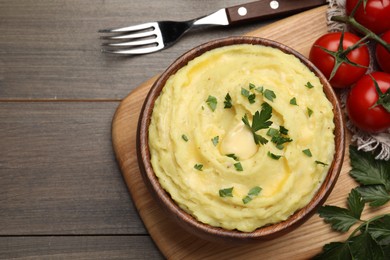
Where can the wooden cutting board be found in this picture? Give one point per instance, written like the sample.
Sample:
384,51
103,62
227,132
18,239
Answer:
298,32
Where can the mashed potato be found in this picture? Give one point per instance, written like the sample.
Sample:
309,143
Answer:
242,136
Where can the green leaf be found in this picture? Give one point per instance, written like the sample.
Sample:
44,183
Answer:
255,191
245,92
307,152
212,103
259,139
261,120
283,130
340,219
293,101
363,246
272,131
321,163
215,140
238,167
260,89
309,85
251,98
380,230
185,138
252,86
198,166
232,155
269,94
309,112
334,251
375,194
273,156
355,204
367,170
228,101
228,192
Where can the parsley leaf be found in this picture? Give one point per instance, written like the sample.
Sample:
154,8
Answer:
379,229
260,121
252,86
232,155
367,170
198,166
269,94
212,103
309,85
342,219
375,194
334,250
321,163
245,92
363,246
238,167
255,191
309,112
307,152
215,140
228,192
273,156
228,101
293,101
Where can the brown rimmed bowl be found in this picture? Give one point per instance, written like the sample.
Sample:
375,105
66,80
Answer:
187,221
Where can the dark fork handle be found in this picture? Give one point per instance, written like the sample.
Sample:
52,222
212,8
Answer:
266,9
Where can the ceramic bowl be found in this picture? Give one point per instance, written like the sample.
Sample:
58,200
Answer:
187,221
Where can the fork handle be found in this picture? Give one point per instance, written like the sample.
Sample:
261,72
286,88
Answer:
266,9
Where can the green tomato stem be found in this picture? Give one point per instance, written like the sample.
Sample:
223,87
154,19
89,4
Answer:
356,25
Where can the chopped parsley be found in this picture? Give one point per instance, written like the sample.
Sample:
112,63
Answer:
212,103
273,156
293,101
260,121
252,86
269,94
198,166
260,89
255,191
228,101
246,93
233,156
307,152
309,85
279,137
309,112
215,140
238,167
228,192
184,137
321,163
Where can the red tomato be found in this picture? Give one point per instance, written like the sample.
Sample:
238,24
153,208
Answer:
346,74
362,97
382,55
375,16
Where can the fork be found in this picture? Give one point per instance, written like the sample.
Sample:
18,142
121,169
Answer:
154,36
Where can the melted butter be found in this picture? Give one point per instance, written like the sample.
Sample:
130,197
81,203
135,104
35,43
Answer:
239,141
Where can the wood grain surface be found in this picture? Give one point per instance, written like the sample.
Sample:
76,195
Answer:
298,32
62,195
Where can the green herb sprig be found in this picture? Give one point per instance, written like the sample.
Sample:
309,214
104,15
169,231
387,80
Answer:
261,120
371,239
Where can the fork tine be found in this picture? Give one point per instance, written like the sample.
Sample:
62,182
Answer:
131,43
130,36
135,51
138,27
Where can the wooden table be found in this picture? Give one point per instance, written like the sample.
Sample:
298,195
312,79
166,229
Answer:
61,192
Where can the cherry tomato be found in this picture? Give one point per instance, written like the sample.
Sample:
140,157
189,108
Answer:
375,16
382,55
346,74
361,100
